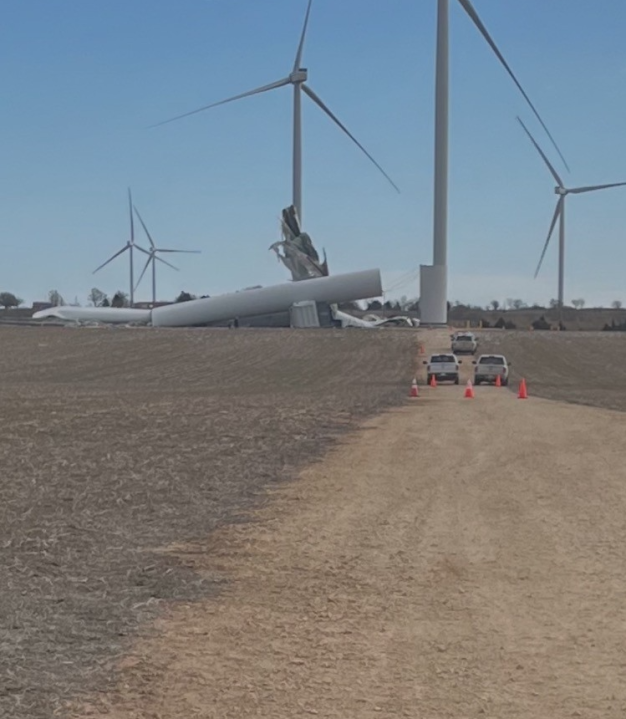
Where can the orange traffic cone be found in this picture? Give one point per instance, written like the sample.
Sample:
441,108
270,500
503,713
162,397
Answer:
498,381
523,392
433,381
414,389
469,390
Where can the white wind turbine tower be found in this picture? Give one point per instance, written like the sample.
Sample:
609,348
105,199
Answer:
297,78
129,246
434,278
559,214
153,257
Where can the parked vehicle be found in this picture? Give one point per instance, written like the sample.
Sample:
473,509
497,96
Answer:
444,367
488,367
464,342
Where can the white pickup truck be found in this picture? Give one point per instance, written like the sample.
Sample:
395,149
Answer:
464,342
444,367
488,367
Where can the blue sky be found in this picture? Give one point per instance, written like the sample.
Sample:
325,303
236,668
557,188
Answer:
83,80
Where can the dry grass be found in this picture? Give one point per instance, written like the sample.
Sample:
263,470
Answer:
118,442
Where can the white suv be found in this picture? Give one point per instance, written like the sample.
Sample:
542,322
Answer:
444,367
488,367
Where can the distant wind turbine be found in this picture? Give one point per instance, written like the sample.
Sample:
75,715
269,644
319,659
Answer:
433,278
153,257
297,78
559,212
129,246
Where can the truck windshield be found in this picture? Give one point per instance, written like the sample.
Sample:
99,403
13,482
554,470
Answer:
442,358
491,360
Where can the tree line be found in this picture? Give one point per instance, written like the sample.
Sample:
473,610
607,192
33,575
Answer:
412,305
98,298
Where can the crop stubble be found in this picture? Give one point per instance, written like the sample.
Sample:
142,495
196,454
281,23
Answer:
116,443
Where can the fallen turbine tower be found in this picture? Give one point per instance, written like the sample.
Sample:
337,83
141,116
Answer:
247,303
266,300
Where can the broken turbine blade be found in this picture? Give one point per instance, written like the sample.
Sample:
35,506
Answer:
471,11
336,120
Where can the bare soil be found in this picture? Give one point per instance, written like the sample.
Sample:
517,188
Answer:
588,319
116,443
581,367
454,558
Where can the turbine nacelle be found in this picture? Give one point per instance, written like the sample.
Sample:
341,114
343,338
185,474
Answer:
299,76
560,191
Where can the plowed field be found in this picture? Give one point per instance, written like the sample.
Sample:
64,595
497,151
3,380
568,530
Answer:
115,443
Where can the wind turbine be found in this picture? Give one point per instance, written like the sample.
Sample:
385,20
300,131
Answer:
153,257
559,213
129,246
433,278
297,78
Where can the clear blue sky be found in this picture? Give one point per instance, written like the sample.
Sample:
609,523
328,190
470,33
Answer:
83,80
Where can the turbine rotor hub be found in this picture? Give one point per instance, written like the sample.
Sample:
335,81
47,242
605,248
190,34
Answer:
560,191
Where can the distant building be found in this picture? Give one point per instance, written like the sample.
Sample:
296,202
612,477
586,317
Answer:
38,306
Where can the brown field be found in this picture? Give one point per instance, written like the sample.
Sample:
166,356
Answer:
590,319
581,367
118,442
452,559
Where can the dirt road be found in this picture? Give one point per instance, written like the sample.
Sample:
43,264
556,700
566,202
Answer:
457,558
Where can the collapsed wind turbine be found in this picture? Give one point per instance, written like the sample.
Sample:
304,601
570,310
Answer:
559,212
433,278
153,257
129,246
297,78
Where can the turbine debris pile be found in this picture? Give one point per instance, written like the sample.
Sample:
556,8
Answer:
296,250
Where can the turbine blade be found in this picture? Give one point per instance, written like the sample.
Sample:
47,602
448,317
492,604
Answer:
117,254
145,229
557,214
470,10
258,91
336,120
298,62
592,188
186,252
132,219
141,249
165,262
143,272
549,165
